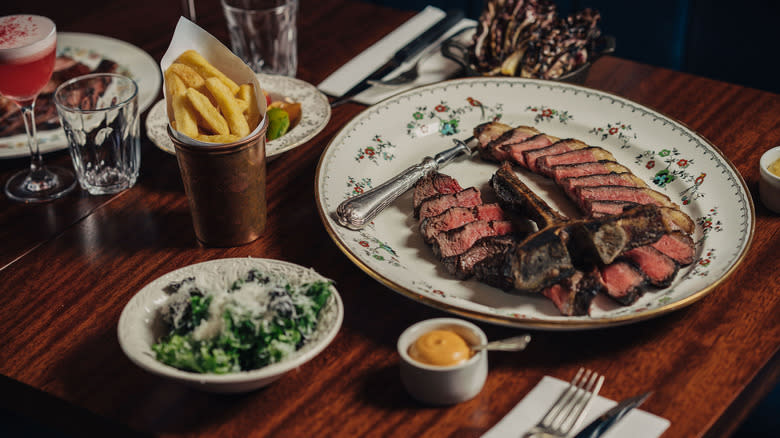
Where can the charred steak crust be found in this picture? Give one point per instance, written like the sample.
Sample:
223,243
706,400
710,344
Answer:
434,183
462,266
437,204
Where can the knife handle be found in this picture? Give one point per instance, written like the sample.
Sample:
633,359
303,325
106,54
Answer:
429,36
358,211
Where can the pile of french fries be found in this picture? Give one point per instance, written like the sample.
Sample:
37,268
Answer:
207,105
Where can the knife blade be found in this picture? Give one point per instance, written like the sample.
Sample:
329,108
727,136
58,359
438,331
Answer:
608,419
358,211
409,50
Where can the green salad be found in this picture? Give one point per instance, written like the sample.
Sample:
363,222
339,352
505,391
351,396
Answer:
257,320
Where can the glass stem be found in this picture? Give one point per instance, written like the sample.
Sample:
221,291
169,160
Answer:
28,114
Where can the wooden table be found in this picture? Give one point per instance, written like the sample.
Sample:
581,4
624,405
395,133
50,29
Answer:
69,267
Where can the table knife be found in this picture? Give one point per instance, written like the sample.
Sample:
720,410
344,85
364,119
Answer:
406,52
608,419
358,211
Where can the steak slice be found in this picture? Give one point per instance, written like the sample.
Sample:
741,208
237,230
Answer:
433,184
498,148
659,269
453,242
487,132
678,246
563,171
437,204
676,220
599,209
462,265
573,295
539,141
639,195
515,196
623,282
569,185
587,155
559,147
458,216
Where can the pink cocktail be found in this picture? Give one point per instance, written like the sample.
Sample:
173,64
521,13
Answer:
28,45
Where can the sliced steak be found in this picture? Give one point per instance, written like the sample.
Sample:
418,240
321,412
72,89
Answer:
561,172
515,196
599,209
462,265
678,246
659,269
623,282
498,149
628,179
676,220
453,242
639,195
515,151
589,154
573,295
458,216
557,148
433,184
487,132
437,204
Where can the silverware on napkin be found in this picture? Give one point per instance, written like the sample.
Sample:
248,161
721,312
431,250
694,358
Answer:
409,50
608,419
358,211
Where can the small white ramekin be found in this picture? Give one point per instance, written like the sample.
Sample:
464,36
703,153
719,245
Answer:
439,385
769,184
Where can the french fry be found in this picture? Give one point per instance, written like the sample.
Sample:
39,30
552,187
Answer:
205,69
209,115
229,107
247,92
219,138
188,75
183,114
242,104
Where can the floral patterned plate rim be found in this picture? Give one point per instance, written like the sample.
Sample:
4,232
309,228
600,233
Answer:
315,111
91,49
398,132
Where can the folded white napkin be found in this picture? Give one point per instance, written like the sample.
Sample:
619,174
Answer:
433,69
636,424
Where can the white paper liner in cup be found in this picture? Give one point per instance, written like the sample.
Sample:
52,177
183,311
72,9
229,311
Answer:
190,36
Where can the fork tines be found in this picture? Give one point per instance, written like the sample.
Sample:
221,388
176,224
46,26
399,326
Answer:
568,410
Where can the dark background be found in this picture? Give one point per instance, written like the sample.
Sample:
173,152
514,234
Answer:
736,41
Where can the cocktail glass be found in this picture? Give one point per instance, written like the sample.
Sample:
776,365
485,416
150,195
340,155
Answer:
28,46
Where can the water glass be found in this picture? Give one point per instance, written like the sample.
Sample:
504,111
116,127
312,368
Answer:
263,33
99,113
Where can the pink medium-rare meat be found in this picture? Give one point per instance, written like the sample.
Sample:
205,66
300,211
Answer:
639,195
500,148
659,269
458,216
606,179
623,282
515,151
486,133
573,295
462,265
433,184
559,147
587,155
453,242
437,204
561,172
598,209
678,246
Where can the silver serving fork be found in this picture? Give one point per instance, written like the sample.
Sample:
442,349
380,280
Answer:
410,74
570,408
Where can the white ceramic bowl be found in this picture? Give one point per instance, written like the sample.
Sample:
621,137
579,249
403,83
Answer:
769,184
439,385
140,326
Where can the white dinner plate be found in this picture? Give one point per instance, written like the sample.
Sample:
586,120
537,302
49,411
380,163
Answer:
398,132
140,325
91,49
315,114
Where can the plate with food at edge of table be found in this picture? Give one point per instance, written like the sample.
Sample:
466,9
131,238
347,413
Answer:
698,190
282,92
77,54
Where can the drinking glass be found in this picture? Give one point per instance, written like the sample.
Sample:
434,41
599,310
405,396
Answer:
28,46
99,113
263,33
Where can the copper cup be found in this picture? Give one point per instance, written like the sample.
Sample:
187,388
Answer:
225,187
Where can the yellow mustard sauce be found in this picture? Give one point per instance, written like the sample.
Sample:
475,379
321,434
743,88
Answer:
440,348
774,168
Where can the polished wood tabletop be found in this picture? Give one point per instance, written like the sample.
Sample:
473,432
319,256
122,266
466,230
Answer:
69,267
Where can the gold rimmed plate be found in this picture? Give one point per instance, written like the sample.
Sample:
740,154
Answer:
396,133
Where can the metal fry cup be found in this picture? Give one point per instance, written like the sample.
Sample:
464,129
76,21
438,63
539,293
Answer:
225,187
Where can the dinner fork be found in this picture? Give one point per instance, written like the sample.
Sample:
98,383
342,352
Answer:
570,408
